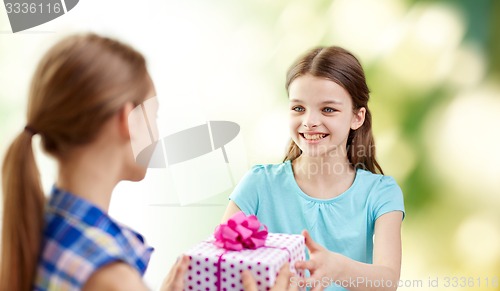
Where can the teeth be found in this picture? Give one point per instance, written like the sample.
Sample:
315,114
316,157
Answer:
314,136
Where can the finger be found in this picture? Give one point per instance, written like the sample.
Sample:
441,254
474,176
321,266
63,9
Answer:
181,268
315,281
295,286
173,271
248,281
309,265
283,279
175,277
311,245
302,282
318,287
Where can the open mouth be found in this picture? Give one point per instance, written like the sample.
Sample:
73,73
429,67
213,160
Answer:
314,137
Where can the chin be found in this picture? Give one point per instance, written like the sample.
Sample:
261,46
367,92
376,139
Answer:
317,152
313,154
137,174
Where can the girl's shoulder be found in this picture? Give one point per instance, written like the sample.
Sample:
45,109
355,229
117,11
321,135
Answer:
364,177
86,236
381,193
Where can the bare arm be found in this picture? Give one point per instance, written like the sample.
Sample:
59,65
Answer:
115,276
231,209
120,276
386,265
383,274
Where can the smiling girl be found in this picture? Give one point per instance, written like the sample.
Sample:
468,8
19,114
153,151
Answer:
330,184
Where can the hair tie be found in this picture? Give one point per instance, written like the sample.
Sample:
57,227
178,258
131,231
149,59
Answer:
30,130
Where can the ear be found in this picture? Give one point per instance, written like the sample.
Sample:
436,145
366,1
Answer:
358,118
123,114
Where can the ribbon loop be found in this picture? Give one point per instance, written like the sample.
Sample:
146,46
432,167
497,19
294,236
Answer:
241,232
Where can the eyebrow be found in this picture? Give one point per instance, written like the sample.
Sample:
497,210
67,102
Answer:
322,103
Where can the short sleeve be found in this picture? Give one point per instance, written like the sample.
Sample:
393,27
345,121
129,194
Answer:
389,197
246,193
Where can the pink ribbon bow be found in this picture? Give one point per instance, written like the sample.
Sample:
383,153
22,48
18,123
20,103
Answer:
240,232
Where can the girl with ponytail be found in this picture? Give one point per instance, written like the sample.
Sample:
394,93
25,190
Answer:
330,186
80,98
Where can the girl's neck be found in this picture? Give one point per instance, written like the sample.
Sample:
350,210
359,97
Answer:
89,177
322,168
321,177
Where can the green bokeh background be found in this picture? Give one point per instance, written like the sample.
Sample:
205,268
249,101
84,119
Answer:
433,68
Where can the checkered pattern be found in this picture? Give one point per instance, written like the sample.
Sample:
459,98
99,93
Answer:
79,239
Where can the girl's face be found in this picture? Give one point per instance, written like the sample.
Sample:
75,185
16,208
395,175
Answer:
321,116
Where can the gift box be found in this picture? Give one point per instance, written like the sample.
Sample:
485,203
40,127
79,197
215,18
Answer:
216,263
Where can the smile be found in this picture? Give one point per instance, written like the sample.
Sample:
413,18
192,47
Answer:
313,137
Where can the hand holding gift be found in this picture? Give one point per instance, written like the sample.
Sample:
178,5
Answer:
174,280
282,281
242,243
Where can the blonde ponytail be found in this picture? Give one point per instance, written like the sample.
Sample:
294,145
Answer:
78,85
22,225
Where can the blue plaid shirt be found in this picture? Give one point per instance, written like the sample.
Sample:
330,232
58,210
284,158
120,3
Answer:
78,239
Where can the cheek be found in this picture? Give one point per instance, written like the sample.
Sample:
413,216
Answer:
294,123
339,127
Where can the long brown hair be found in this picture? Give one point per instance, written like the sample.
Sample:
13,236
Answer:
342,67
78,85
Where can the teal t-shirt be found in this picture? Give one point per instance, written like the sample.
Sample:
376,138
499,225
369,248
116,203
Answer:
343,224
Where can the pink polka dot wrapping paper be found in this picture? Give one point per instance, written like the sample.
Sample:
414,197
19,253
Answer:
211,264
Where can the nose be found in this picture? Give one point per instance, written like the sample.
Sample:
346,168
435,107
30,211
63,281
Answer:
311,120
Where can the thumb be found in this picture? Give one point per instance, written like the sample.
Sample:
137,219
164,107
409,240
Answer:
248,281
311,245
